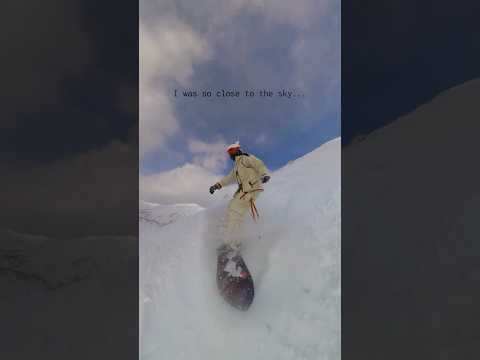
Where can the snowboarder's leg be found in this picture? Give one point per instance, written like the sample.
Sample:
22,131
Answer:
235,214
237,208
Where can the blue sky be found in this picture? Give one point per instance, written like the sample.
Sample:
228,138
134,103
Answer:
243,44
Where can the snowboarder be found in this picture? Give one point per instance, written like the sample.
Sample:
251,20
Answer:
250,173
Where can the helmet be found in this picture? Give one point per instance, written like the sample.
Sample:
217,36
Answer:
233,148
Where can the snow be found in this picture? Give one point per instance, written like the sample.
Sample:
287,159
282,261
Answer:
231,267
293,253
165,214
413,226
48,284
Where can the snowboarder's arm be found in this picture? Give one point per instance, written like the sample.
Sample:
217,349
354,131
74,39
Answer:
230,178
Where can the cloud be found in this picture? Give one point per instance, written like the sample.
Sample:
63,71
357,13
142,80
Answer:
243,44
41,55
319,62
299,13
168,50
210,156
92,193
190,182
186,184
234,35
262,139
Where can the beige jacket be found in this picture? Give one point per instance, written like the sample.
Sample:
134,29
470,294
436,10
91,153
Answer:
247,171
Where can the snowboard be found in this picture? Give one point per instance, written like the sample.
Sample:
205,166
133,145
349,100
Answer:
234,280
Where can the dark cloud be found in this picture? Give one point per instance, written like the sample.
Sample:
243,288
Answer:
64,85
68,136
398,55
44,44
92,193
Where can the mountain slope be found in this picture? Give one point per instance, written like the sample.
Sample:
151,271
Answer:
411,215
293,253
64,293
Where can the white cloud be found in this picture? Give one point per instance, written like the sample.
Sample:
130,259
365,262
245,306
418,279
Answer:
168,51
190,182
209,156
157,119
262,139
186,184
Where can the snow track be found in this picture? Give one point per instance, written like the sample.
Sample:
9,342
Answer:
293,253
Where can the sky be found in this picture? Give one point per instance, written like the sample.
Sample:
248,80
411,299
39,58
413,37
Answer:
69,124
398,55
69,132
236,45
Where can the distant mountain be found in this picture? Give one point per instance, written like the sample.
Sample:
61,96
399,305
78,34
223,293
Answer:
162,215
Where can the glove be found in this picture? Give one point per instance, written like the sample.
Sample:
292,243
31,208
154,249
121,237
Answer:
215,187
265,178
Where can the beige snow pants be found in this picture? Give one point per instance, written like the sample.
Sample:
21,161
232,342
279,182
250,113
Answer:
237,208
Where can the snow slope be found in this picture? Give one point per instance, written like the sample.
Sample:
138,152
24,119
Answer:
293,253
412,224
48,284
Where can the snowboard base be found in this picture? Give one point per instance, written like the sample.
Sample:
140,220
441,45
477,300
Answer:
234,280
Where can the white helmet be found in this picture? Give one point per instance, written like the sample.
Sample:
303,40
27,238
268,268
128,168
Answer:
233,147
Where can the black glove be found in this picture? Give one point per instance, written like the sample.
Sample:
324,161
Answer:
265,178
215,187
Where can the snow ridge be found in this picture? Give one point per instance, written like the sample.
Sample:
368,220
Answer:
293,253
